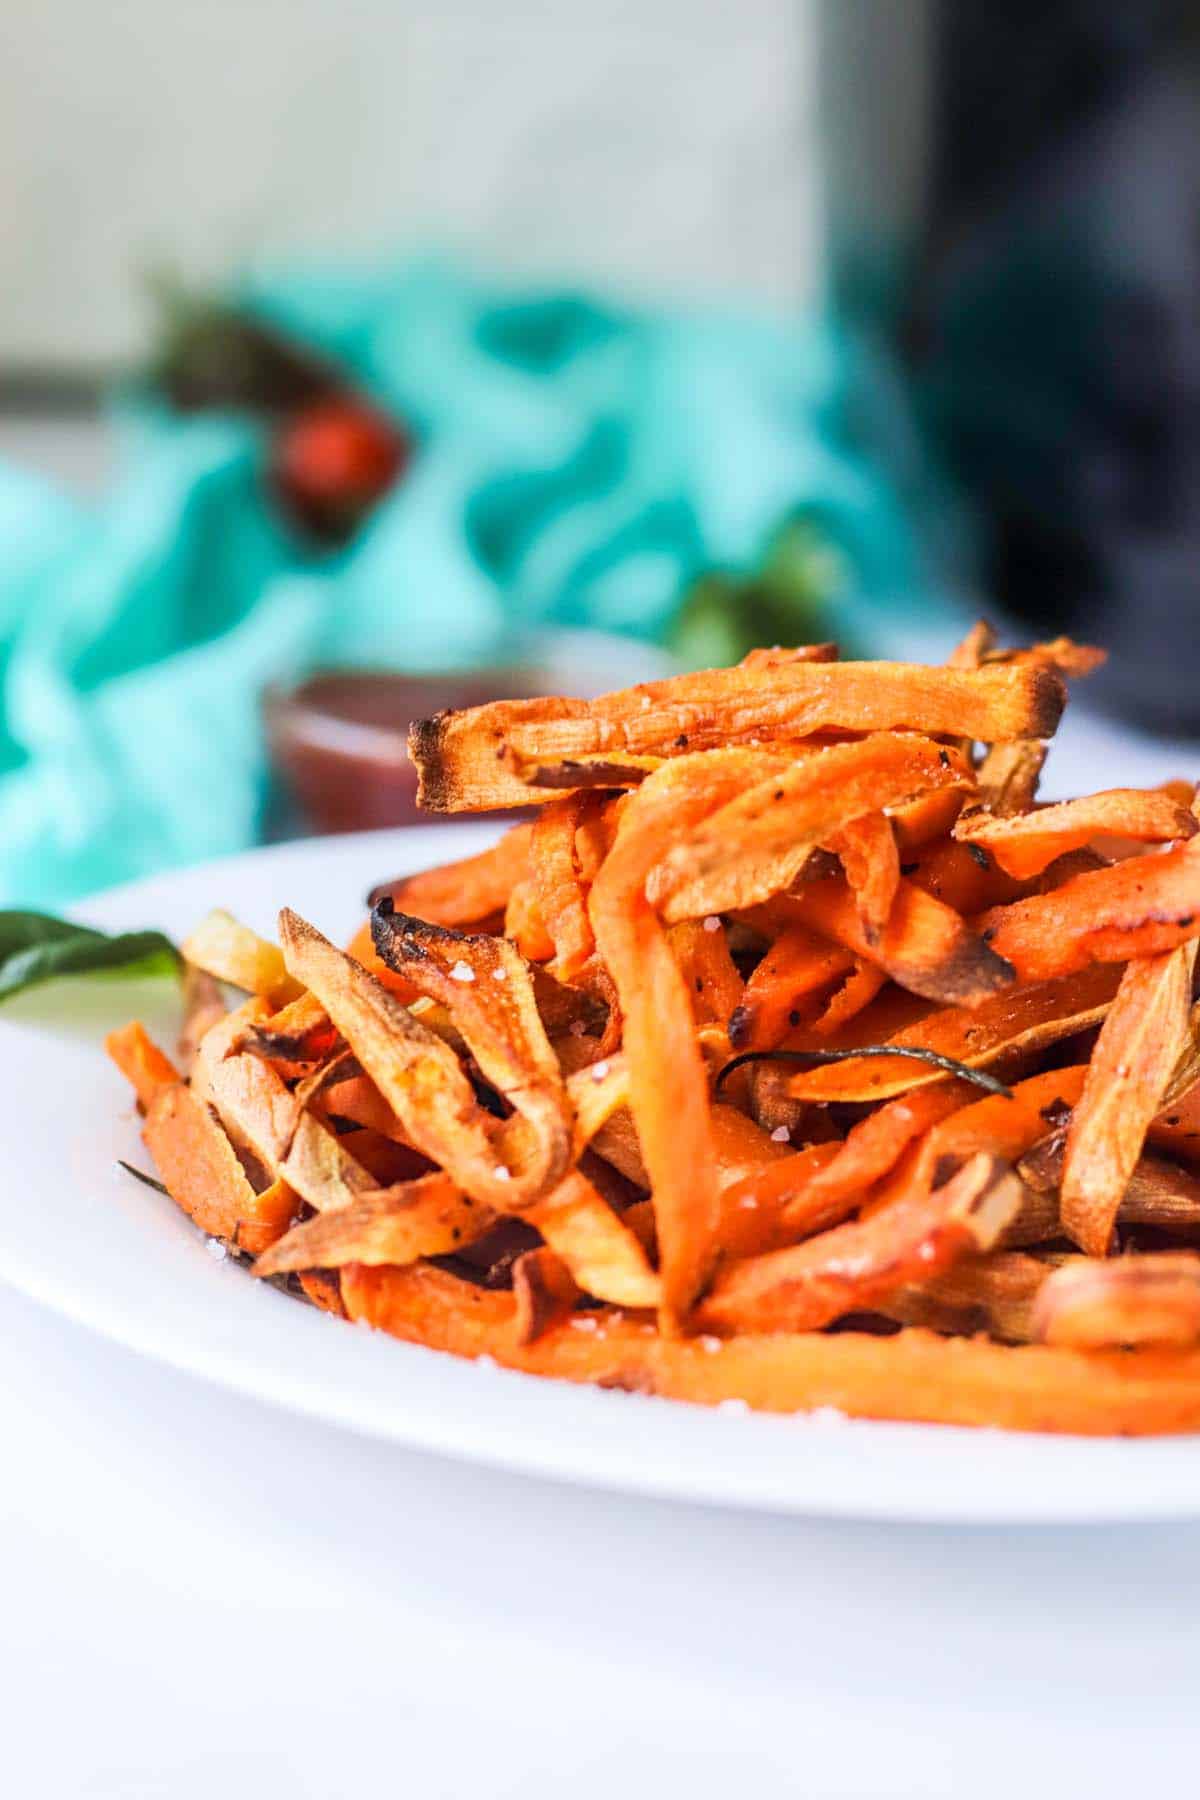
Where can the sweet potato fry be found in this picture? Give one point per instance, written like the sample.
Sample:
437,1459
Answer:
957,1381
362,948
927,818
1018,1020
708,971
1092,1305
201,1171
544,1293
961,876
418,1075
1025,845
558,884
489,991
927,948
995,1293
1006,1126
465,758
758,843
815,1191
604,1257
1160,1195
867,847
324,1289
1008,777
524,925
1136,908
1139,1045
141,1062
668,1082
972,651
426,1217
259,1113
232,952
849,999
203,1007
798,966
852,1266
462,893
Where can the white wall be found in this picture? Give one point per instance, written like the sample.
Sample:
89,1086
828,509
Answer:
671,143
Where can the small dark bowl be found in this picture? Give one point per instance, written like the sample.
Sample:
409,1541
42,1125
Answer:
339,741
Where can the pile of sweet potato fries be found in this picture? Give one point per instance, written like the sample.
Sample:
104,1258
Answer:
791,1053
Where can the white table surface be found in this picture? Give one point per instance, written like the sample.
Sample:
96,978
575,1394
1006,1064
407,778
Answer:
200,1596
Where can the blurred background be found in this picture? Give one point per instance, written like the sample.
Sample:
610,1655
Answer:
358,360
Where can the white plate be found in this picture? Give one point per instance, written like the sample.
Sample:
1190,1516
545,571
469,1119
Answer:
84,1238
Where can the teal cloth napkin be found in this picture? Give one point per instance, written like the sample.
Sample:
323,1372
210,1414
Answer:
579,463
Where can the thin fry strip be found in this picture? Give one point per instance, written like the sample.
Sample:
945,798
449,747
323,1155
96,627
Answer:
465,892
1132,1300
668,1083
1008,777
852,1266
418,1075
1026,845
231,952
996,1294
708,971
1160,1194
1140,1042
816,1192
927,947
203,1007
798,966
464,758
867,848
258,1112
955,1381
558,884
1020,1019
144,1066
201,1172
850,999
426,1217
489,991
544,1293
757,844
604,1257
1136,908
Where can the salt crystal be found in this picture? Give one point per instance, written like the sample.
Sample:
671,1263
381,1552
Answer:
599,1070
577,1028
733,1406
500,974
485,1361
462,972
581,1322
216,1249
710,1344
748,1200
501,1173
781,1135
646,701
712,923
926,1253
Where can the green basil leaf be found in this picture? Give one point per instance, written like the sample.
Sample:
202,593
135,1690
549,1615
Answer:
35,947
